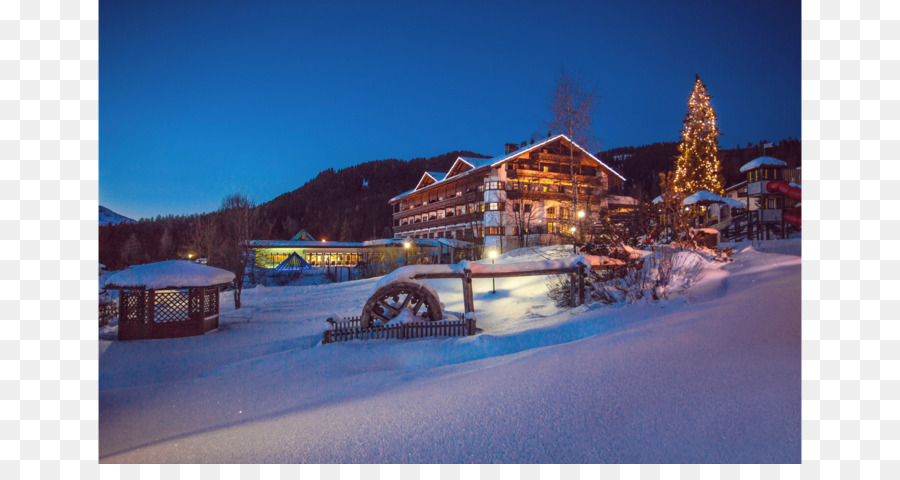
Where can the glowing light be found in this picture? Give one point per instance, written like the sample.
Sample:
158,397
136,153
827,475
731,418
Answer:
190,255
697,166
492,254
406,244
581,214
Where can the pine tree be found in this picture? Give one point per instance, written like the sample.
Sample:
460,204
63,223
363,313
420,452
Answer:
697,164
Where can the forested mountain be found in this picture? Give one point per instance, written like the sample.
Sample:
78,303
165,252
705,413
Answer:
351,204
642,165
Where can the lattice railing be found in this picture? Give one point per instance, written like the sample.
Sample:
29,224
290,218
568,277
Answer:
210,301
132,306
171,306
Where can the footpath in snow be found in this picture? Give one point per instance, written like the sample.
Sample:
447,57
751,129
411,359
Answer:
713,377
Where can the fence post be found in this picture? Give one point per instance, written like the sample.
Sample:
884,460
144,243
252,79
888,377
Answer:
468,296
572,282
581,276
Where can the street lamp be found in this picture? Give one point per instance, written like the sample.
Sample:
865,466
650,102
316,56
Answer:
493,255
574,243
406,246
580,224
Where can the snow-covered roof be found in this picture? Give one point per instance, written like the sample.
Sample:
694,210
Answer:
169,274
471,160
432,242
437,176
458,175
303,244
658,199
498,160
736,186
734,203
703,196
763,162
623,200
493,162
402,195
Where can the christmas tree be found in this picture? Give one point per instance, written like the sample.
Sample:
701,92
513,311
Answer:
697,165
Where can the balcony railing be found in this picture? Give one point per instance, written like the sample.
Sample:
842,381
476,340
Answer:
466,218
470,197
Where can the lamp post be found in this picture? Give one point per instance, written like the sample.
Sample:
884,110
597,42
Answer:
581,222
406,246
493,255
574,244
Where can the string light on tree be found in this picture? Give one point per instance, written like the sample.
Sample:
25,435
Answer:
697,166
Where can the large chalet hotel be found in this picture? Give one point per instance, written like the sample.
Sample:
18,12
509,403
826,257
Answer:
523,197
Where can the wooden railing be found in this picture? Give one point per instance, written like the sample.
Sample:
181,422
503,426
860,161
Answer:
468,197
468,218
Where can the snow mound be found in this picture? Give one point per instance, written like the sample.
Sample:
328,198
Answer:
169,274
572,261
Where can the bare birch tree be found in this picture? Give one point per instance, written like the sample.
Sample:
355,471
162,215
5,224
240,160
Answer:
239,221
572,105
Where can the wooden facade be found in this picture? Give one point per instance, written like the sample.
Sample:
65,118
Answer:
521,194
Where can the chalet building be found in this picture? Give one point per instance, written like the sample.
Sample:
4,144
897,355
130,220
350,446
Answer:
304,251
523,197
738,192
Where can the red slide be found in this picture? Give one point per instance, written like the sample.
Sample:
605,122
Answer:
780,186
791,216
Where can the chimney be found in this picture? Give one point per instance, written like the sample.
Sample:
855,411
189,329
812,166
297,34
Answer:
532,141
511,147
522,145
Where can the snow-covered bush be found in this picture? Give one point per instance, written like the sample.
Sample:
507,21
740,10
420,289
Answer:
662,272
651,276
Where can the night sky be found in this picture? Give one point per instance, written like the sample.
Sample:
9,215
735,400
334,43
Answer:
202,99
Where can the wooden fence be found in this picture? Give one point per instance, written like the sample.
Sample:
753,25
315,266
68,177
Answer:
350,329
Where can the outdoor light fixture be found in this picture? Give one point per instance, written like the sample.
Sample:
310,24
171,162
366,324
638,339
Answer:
573,229
581,214
190,255
405,244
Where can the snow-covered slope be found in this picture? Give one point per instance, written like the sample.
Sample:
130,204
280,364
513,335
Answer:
108,217
713,377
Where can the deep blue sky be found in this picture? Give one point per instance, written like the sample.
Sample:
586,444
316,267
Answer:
201,99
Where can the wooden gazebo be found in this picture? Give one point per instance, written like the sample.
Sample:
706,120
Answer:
168,299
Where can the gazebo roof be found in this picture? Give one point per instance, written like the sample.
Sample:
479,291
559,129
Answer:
703,197
169,274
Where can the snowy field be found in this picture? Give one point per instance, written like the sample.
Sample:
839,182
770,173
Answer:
712,376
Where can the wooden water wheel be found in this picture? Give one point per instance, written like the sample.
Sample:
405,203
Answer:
389,301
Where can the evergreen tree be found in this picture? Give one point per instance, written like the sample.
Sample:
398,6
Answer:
697,164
